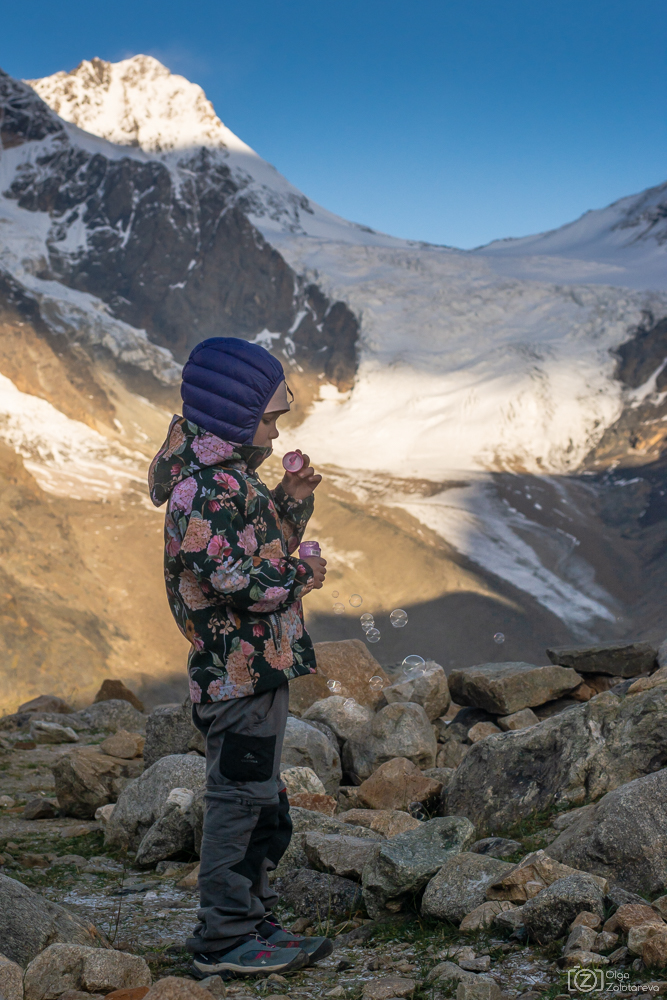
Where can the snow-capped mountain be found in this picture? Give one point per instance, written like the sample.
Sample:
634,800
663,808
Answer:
478,399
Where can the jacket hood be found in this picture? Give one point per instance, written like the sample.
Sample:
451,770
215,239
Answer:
227,383
190,448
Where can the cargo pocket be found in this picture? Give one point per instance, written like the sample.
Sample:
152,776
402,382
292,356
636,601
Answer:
247,758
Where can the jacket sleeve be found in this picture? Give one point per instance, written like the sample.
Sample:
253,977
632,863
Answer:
238,559
298,512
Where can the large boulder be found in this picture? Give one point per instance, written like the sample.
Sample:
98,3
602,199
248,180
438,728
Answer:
580,754
29,922
341,855
619,659
406,863
178,827
45,703
86,779
622,837
306,821
388,822
170,730
342,715
548,915
427,688
306,746
112,715
300,781
63,967
318,895
399,730
506,688
461,885
396,784
11,979
531,875
348,661
143,801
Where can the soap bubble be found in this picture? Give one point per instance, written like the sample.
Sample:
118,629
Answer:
349,703
373,635
356,600
414,664
367,626
367,617
499,638
334,593
398,618
335,686
339,609
376,683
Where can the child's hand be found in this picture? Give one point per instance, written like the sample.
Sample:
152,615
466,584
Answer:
302,483
318,566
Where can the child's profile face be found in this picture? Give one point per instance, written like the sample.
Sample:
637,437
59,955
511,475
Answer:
267,432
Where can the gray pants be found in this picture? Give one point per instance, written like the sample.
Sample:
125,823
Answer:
247,826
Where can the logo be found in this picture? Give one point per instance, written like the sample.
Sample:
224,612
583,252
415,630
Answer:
251,758
585,980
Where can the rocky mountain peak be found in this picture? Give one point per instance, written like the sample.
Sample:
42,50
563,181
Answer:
137,102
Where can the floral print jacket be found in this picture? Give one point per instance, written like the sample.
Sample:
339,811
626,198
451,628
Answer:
233,588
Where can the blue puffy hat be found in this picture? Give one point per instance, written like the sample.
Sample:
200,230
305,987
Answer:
226,386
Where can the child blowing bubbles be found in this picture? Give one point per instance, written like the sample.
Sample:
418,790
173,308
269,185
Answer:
235,591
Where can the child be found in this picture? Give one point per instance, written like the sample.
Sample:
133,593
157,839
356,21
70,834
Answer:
235,593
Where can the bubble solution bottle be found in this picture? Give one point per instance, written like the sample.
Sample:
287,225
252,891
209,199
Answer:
308,549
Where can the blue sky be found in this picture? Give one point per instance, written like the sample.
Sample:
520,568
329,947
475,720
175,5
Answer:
452,122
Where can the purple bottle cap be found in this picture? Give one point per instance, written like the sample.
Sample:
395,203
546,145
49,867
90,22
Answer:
293,461
307,549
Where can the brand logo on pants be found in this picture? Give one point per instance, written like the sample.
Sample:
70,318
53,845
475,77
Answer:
250,757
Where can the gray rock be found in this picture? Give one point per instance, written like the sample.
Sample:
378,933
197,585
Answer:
305,821
86,779
461,885
449,972
301,779
29,922
40,808
407,862
441,774
484,988
617,896
450,754
340,855
506,688
329,733
11,979
618,659
342,718
623,837
306,746
581,754
428,689
547,916
317,895
399,730
62,967
581,938
142,802
52,732
169,730
509,920
172,832
113,715
496,847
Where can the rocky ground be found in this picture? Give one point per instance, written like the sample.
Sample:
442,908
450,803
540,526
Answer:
494,846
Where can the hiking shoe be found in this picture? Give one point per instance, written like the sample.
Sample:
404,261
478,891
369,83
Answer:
253,955
316,948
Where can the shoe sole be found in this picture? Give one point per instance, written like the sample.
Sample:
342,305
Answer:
323,951
228,969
